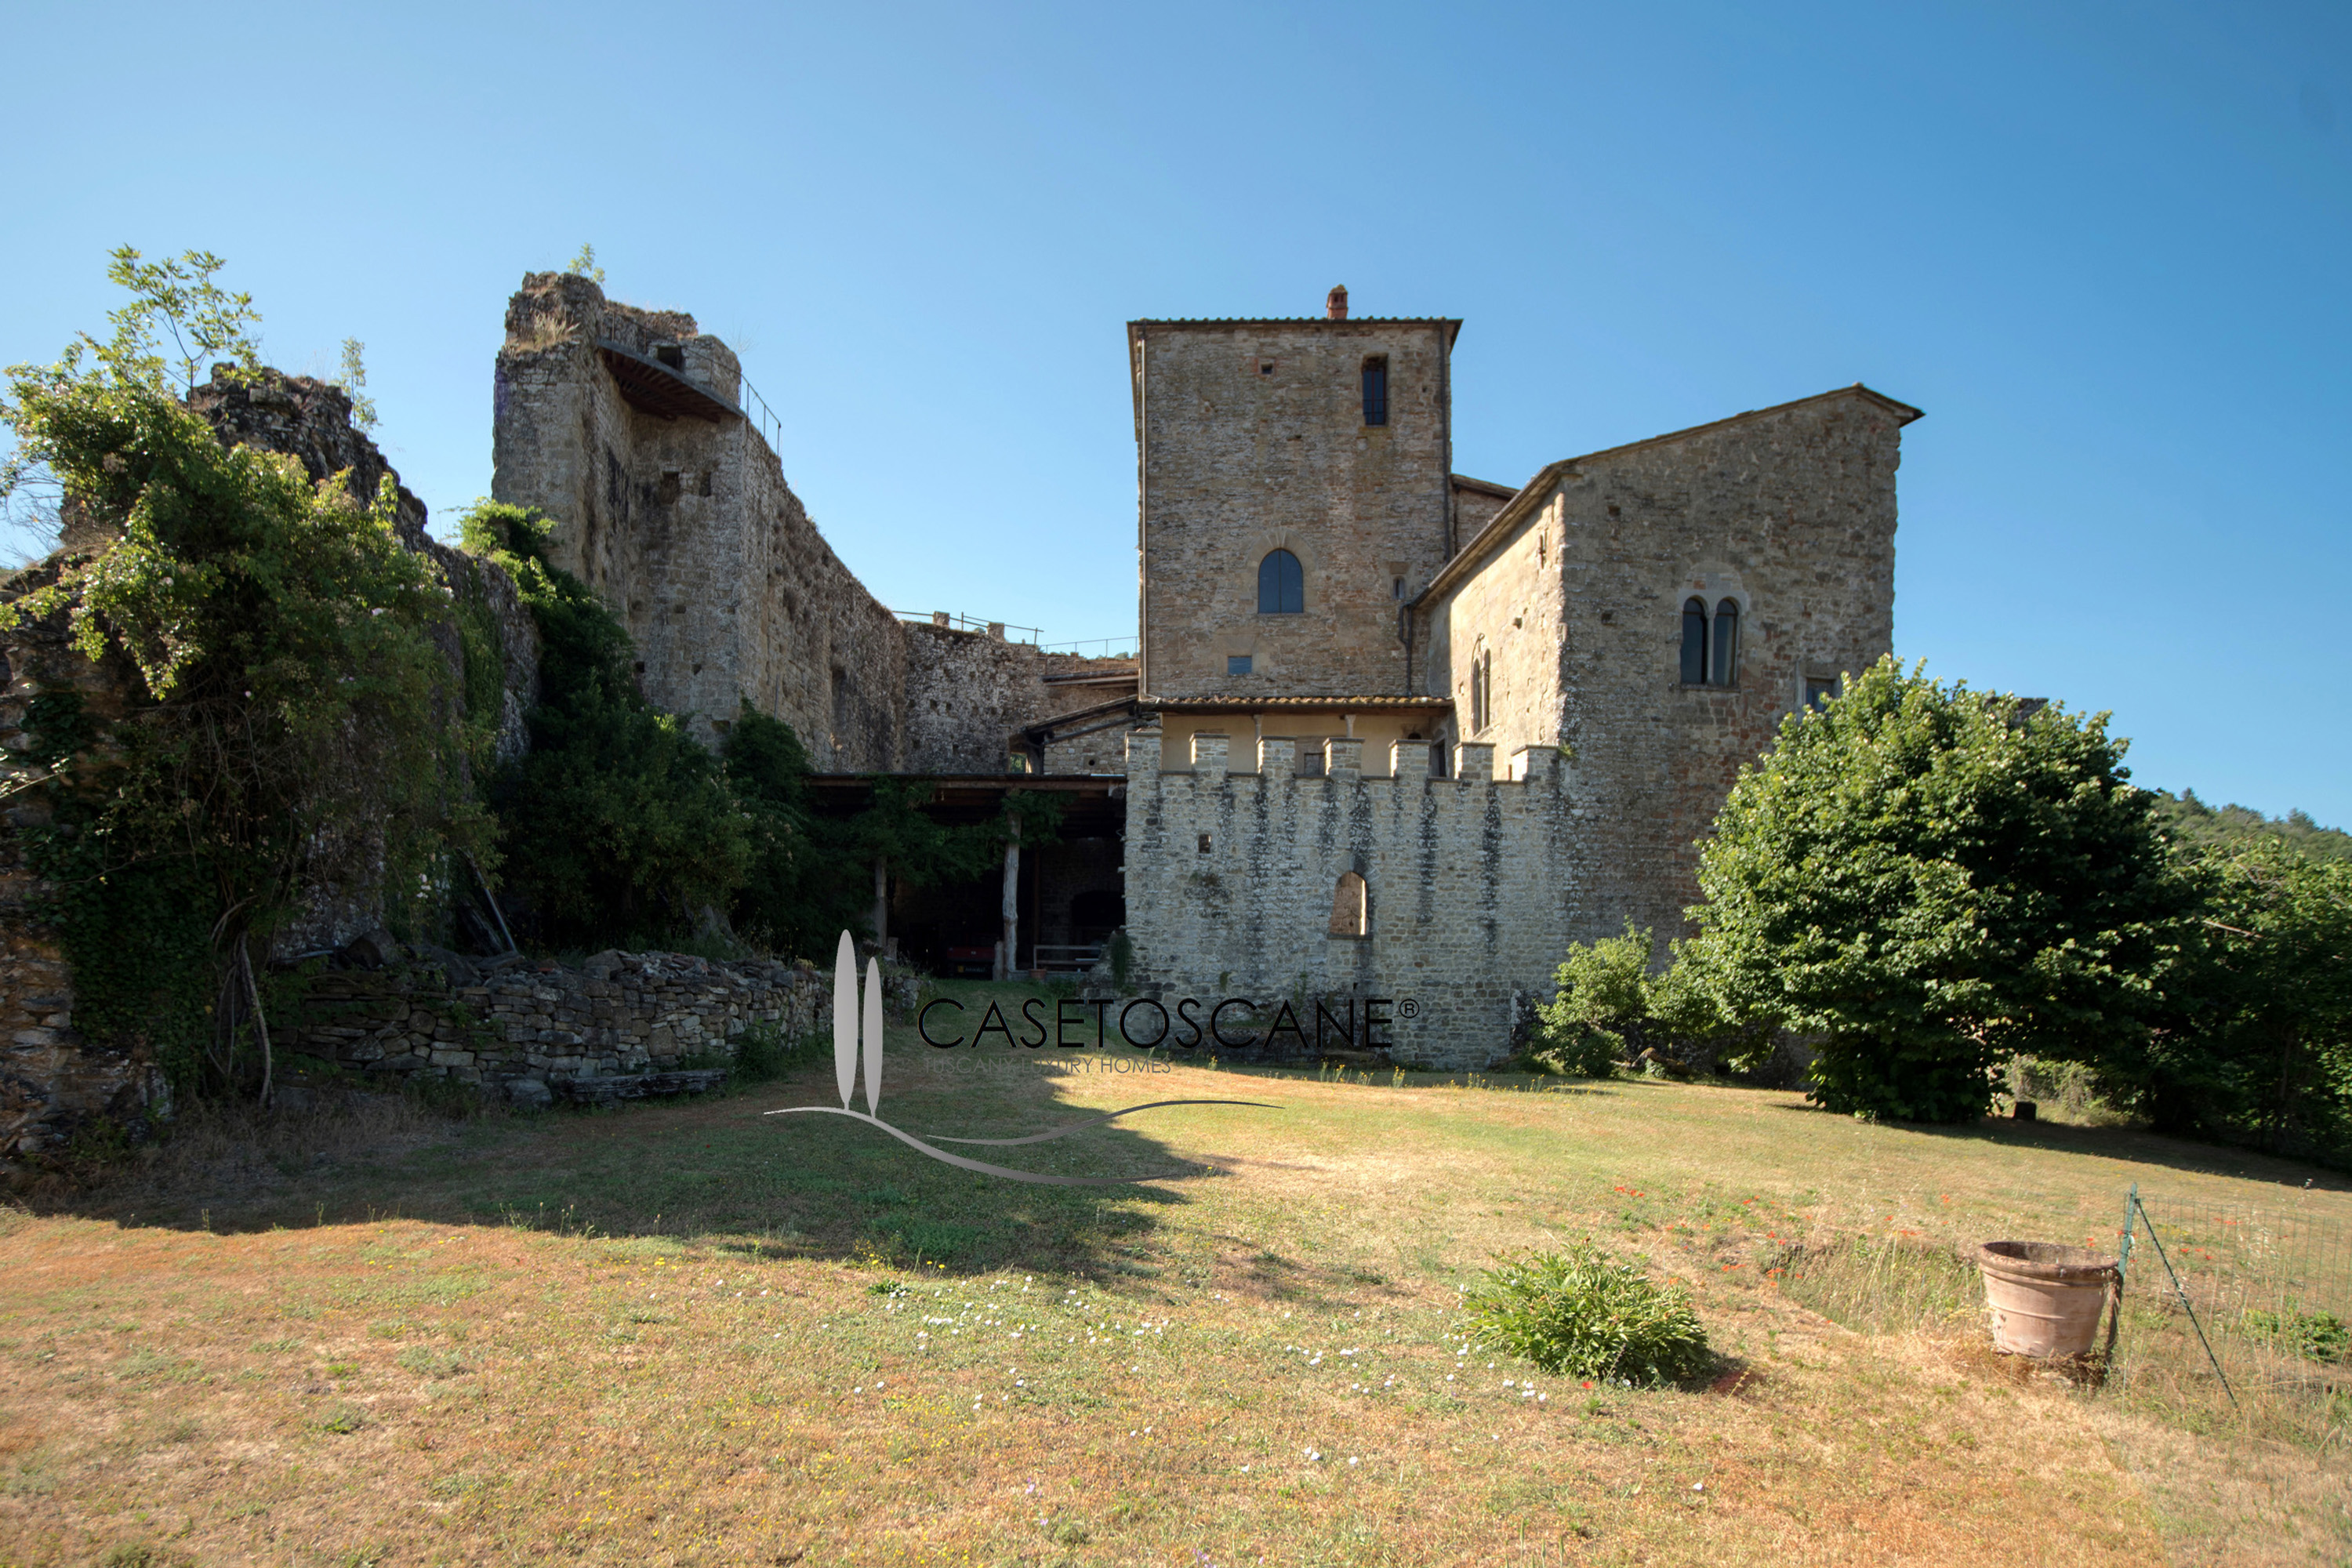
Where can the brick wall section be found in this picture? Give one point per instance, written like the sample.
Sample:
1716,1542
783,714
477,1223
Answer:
518,1031
1469,879
689,530
1790,511
1237,460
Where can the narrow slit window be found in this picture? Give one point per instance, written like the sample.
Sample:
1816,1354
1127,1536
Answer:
1350,911
1726,642
1281,584
1694,642
1375,390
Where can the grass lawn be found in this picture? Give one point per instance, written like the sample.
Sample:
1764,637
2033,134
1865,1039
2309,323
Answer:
687,1333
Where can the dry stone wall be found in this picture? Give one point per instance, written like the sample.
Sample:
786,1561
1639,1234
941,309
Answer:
525,1032
1232,875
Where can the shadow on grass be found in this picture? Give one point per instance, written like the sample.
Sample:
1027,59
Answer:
719,1169
2131,1145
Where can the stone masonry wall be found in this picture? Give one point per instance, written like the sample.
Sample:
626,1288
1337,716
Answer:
968,691
1252,439
1231,876
520,1030
1790,511
689,530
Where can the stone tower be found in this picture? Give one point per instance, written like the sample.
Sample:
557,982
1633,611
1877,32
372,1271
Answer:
1328,439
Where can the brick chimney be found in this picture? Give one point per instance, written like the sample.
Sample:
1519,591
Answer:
1335,304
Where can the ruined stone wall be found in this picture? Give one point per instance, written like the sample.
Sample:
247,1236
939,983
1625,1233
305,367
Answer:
311,421
53,1080
1252,436
687,528
1231,876
1790,511
518,1031
969,692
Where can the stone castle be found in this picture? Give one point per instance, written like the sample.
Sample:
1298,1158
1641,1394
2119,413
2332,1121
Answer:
1392,735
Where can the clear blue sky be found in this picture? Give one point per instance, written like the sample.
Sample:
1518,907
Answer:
2105,247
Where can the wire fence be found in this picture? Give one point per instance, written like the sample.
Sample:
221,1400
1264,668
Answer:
2232,1309
2232,1316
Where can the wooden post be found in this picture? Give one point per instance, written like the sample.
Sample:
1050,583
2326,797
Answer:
881,905
1012,909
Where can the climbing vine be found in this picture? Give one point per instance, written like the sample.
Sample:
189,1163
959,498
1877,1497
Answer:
281,729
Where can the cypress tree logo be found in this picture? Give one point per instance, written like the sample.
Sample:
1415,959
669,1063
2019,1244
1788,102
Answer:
858,1054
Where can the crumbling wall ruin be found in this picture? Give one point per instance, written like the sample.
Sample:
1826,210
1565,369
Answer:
670,504
970,693
53,1080
524,1032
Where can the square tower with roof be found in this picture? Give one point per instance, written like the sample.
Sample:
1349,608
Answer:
1295,496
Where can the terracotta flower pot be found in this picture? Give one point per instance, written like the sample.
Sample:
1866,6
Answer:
2045,1298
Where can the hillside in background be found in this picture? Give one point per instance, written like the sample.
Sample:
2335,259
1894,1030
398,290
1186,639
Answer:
2192,821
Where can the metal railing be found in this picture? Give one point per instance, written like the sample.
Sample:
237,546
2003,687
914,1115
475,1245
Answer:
1111,647
762,417
962,623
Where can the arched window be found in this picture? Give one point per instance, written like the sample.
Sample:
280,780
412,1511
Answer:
1481,666
1726,642
1351,914
1694,642
1281,584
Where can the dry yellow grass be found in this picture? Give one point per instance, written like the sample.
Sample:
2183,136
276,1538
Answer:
684,1335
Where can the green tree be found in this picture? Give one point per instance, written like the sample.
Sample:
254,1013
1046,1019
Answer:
2256,1045
617,824
282,729
1602,1006
1932,879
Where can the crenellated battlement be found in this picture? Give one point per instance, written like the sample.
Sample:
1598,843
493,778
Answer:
1236,886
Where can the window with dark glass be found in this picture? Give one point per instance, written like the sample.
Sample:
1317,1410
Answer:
1726,642
1375,390
1819,689
1281,584
1694,642
1237,664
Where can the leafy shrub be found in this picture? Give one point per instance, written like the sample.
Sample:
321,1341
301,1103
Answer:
764,1053
1602,1004
1580,1313
2315,1336
276,649
617,824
